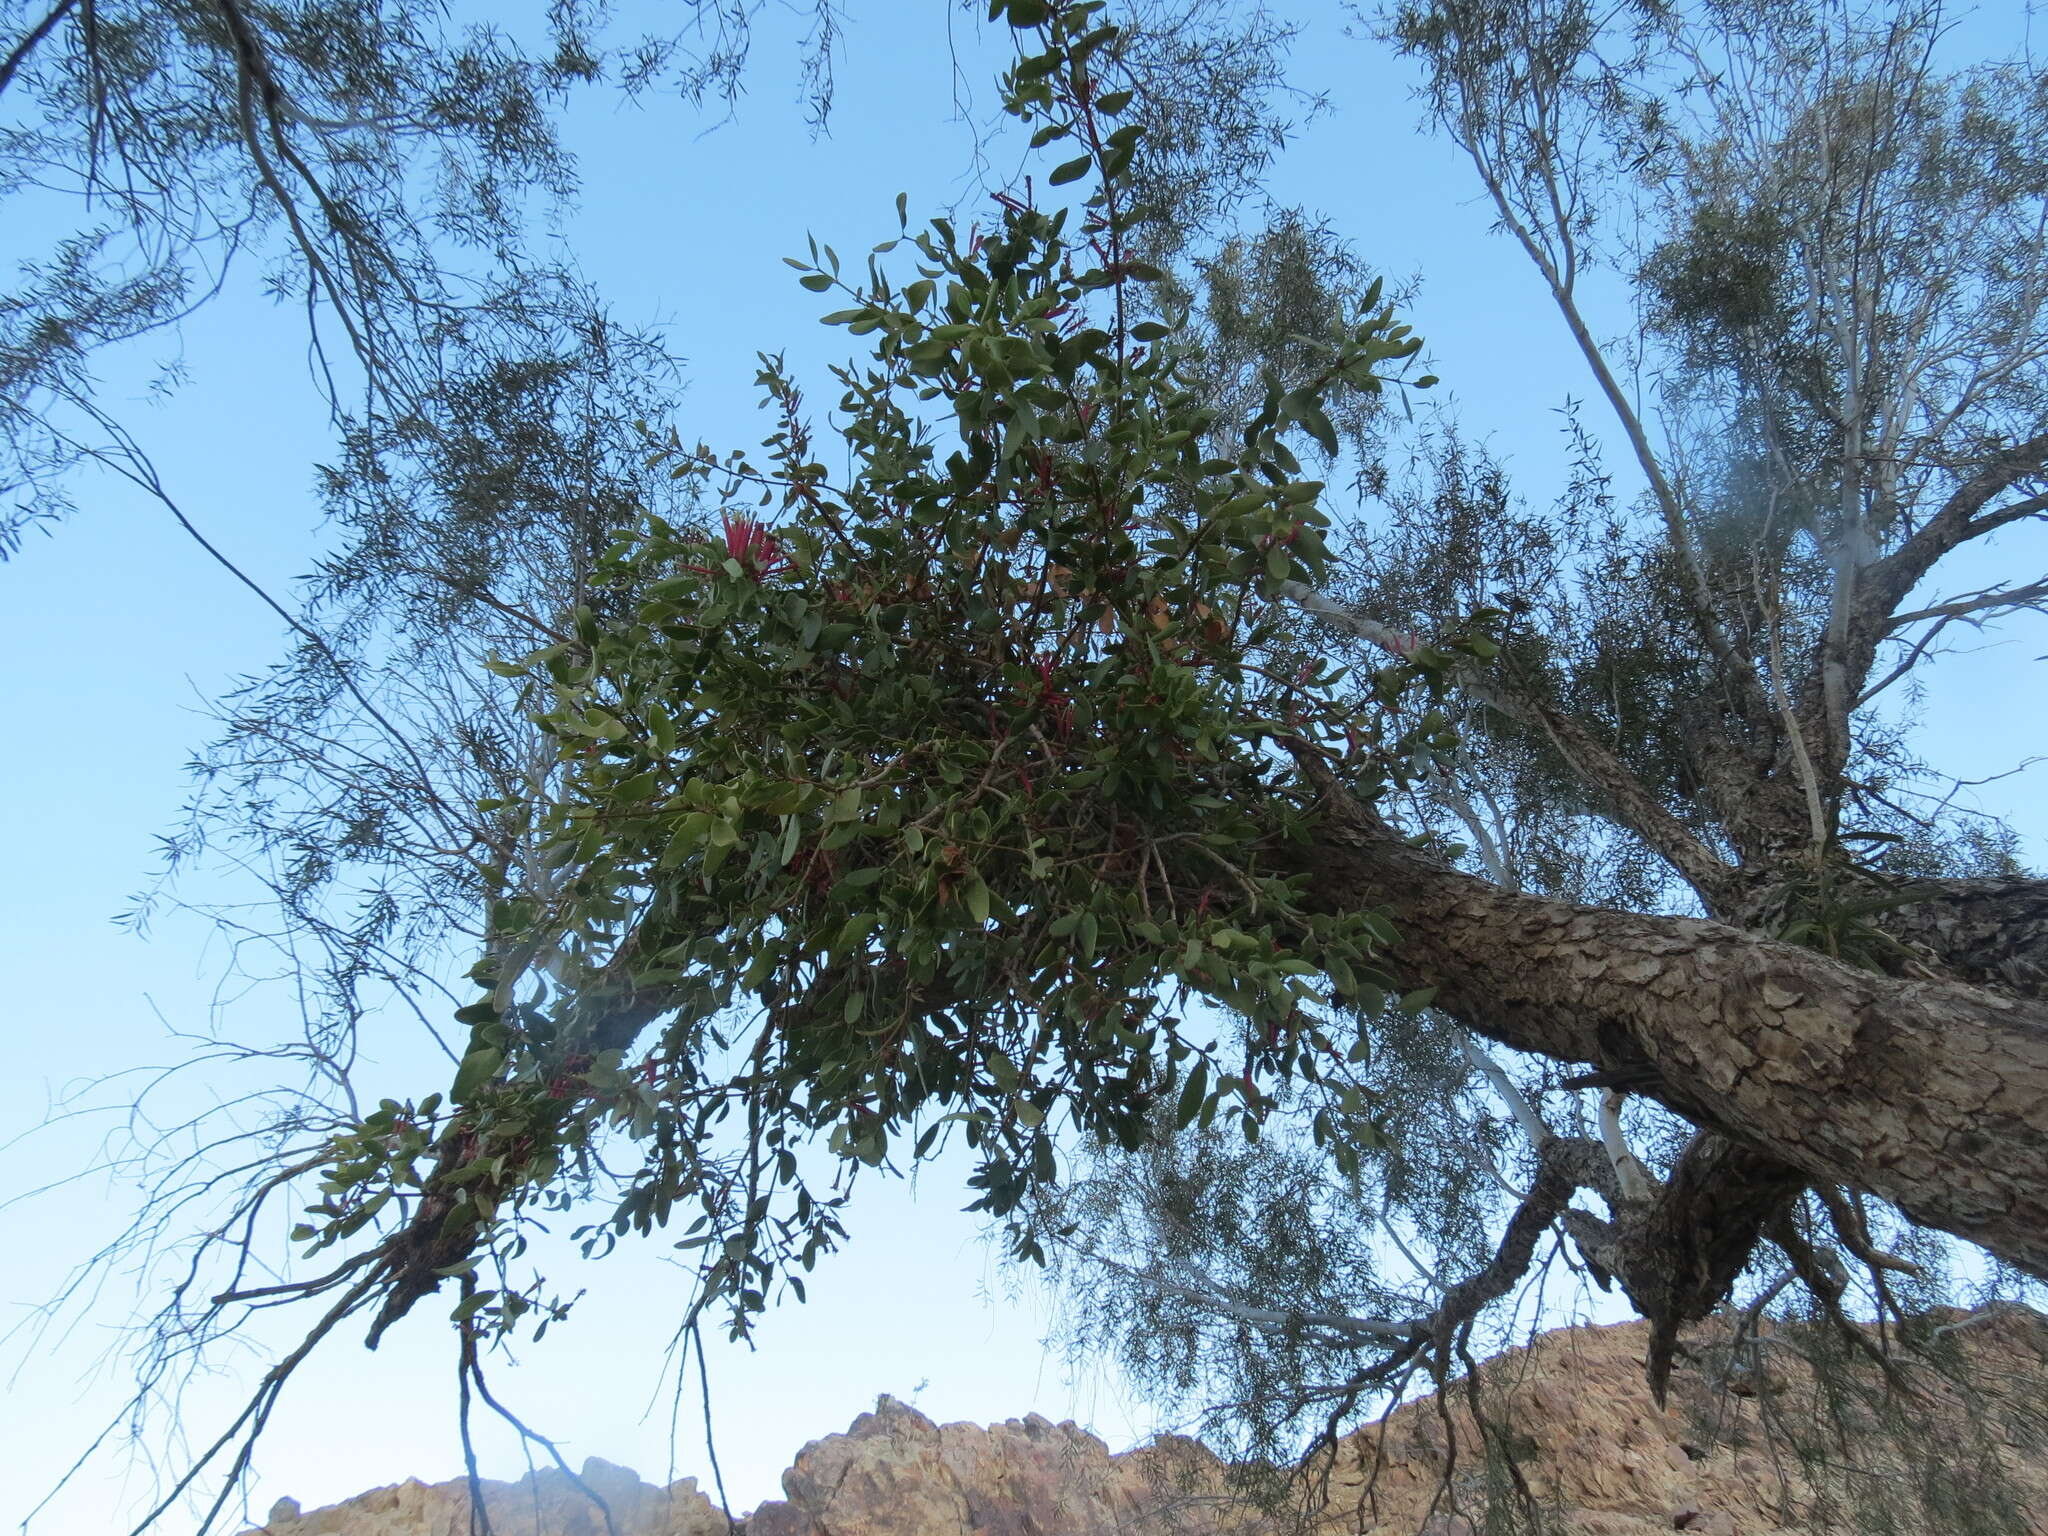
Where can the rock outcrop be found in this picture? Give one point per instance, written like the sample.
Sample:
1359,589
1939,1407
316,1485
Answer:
546,1503
1600,1458
895,1473
1595,1454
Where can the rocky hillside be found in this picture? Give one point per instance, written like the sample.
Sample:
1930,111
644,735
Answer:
1598,1456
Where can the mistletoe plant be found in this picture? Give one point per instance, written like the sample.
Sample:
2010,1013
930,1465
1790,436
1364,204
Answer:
931,803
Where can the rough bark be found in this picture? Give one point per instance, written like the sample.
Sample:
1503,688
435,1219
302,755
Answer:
1991,933
1931,1095
1679,1255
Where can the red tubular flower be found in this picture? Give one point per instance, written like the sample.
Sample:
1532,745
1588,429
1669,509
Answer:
1059,707
757,550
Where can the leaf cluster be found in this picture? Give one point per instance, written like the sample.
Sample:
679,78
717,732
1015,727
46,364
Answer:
925,803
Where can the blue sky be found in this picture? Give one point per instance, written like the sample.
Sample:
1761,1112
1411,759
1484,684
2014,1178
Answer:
119,629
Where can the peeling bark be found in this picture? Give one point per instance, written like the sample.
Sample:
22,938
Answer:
1931,1095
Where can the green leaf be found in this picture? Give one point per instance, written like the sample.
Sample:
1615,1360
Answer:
1192,1094
1319,428
852,932
1044,1168
817,282
1073,170
476,1069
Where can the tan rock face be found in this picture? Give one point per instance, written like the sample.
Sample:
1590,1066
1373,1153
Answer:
547,1503
1600,1458
895,1473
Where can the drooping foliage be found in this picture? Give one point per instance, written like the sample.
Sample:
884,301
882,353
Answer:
380,168
347,778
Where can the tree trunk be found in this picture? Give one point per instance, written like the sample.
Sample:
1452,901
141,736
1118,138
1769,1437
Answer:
1931,1095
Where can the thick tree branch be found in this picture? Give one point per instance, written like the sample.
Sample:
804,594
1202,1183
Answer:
1547,1197
1632,1178
1931,1095
1679,1253
1989,933
1887,583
